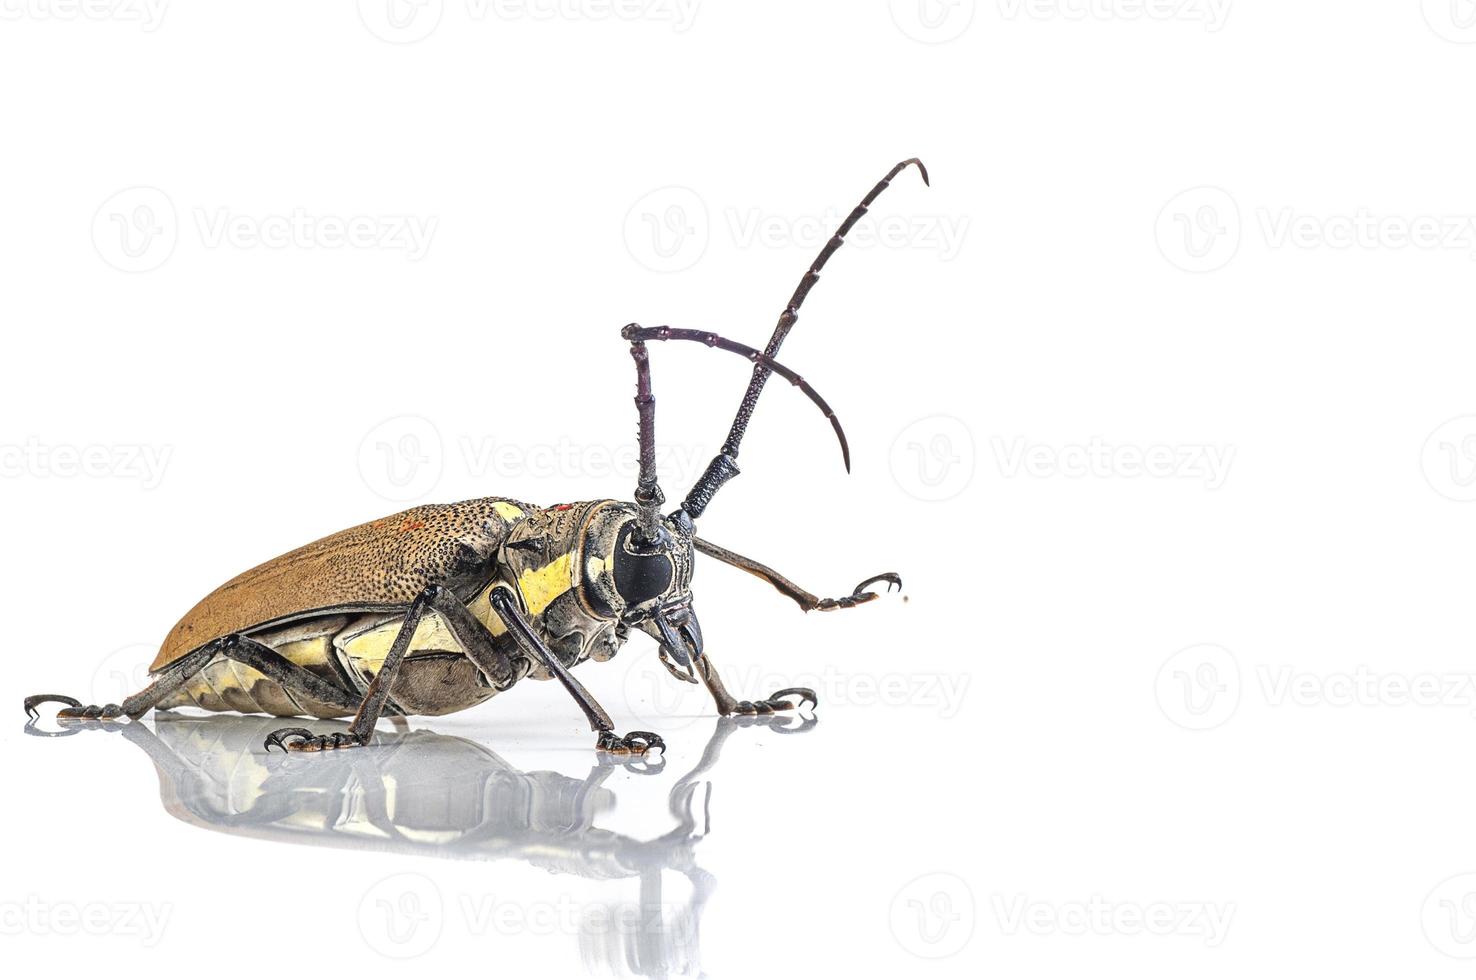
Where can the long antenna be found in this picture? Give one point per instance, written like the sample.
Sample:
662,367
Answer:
724,465
648,494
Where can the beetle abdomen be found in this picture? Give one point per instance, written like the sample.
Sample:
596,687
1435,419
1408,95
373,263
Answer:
225,685
435,678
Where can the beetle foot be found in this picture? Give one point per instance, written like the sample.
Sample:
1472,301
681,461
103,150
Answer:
778,701
302,740
35,700
634,743
90,712
860,594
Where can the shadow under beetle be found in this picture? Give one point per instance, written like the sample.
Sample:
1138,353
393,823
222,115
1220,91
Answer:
440,607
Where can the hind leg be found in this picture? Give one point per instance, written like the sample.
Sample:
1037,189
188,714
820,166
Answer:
241,649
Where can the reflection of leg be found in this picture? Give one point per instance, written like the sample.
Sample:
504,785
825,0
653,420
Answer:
728,705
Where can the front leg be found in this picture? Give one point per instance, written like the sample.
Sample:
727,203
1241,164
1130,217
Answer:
729,705
505,604
806,600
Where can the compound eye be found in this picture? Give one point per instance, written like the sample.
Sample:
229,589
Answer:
640,577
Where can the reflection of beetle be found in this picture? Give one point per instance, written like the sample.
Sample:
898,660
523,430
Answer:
436,795
440,607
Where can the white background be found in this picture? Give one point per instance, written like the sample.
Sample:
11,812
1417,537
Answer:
1161,235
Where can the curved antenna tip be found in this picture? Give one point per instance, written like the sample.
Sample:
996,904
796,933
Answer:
921,168
845,447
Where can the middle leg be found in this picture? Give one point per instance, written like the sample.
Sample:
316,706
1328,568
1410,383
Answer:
475,641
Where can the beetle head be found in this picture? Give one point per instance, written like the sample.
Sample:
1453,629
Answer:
644,582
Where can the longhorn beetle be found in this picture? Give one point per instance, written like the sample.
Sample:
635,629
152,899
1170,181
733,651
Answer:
440,607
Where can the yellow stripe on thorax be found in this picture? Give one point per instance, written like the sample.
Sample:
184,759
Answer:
541,586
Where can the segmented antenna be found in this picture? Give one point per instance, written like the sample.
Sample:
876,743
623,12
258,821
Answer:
724,465
646,404
648,495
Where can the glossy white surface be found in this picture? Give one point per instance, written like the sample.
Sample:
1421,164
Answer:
1161,400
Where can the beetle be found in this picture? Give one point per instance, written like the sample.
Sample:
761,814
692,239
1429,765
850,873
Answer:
441,607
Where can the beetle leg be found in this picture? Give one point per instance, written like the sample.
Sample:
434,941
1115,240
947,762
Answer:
294,679
475,641
302,740
728,705
634,743
35,700
506,607
805,600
